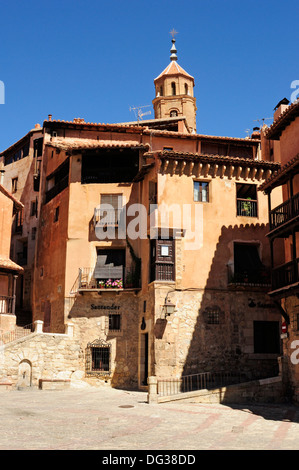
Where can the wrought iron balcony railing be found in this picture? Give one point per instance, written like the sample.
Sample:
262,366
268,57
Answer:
247,207
257,277
107,277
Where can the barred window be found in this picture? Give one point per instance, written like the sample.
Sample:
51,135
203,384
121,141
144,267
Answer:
114,322
213,317
98,355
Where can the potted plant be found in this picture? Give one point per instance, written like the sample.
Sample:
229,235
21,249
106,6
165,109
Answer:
246,206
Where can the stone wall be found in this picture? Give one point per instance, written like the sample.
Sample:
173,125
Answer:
29,360
212,331
90,316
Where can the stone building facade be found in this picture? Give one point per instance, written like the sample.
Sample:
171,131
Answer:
151,240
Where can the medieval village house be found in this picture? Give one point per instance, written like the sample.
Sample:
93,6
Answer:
151,240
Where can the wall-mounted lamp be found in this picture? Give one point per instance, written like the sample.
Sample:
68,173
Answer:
168,308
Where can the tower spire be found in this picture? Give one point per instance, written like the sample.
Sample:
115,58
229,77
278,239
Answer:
173,50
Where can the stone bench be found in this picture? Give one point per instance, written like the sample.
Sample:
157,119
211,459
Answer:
54,384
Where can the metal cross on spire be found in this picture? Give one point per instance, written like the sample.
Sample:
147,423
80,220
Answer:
173,33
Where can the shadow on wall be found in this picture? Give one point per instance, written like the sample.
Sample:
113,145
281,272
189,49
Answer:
234,306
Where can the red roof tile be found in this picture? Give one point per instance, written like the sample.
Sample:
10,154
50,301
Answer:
7,264
78,144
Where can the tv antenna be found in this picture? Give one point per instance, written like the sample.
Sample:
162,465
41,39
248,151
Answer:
263,120
138,111
247,132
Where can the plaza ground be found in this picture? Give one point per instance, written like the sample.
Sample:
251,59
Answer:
110,419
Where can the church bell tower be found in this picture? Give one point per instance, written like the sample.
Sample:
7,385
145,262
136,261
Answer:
174,92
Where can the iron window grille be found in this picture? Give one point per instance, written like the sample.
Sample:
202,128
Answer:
114,322
98,358
213,317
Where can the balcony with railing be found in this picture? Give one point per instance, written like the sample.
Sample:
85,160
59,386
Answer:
259,277
285,275
107,278
285,213
246,207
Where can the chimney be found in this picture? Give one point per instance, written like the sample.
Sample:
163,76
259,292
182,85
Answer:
2,176
280,108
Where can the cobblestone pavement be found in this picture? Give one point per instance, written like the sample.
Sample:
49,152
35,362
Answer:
109,419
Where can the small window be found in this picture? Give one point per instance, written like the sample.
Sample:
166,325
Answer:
173,89
56,214
98,357
33,233
33,209
164,250
109,211
213,317
162,260
14,185
19,221
186,89
114,322
173,113
246,200
201,191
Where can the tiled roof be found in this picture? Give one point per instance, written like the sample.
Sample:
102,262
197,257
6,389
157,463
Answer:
7,264
216,159
85,144
281,175
200,136
81,122
174,69
131,127
290,113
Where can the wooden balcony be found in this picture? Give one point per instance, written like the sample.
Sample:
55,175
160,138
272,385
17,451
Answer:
283,215
285,275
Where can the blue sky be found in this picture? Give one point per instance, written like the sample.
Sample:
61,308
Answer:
94,59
